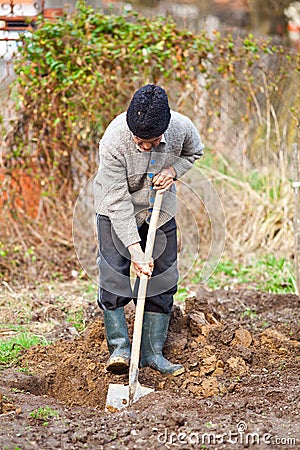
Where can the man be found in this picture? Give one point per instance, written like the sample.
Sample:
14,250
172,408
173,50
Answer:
142,151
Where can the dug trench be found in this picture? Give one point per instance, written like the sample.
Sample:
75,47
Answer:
241,352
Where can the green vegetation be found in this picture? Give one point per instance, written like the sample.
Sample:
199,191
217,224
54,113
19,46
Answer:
44,414
79,71
76,318
181,294
12,254
268,274
10,448
249,313
10,348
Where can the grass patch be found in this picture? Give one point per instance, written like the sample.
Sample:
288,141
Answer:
181,294
10,348
43,413
249,313
268,274
77,319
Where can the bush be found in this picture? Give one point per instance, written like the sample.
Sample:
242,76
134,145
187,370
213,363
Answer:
77,73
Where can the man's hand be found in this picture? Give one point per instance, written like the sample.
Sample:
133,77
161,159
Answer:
164,179
137,259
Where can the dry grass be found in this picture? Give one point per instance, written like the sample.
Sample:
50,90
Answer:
258,219
253,217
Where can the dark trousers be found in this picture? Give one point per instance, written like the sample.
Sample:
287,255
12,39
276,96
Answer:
116,288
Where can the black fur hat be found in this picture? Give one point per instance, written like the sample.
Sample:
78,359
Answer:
148,114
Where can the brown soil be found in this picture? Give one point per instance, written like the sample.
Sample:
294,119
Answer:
241,352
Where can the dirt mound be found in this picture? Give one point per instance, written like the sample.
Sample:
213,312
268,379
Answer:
241,387
219,338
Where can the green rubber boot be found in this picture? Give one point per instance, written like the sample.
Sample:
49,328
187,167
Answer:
117,341
155,330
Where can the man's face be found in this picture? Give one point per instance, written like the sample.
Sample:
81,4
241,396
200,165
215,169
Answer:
146,145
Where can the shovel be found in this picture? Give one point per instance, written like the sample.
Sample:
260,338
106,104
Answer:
119,396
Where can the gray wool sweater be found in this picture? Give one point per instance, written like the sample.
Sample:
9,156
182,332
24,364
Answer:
123,185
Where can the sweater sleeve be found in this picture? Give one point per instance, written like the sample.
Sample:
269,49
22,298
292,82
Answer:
192,150
111,192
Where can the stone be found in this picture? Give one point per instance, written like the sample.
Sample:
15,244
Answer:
273,339
219,370
208,365
194,373
195,321
242,337
210,387
237,366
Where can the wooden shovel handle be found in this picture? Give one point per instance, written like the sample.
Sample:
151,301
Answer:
139,313
152,226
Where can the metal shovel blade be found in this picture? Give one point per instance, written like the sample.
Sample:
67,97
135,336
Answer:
118,396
